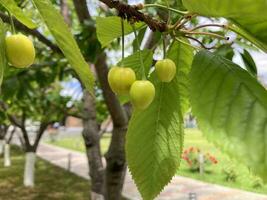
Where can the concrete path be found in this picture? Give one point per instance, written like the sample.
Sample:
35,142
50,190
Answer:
178,189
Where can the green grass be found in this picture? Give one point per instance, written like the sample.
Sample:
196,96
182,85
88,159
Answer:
52,183
77,143
245,179
193,137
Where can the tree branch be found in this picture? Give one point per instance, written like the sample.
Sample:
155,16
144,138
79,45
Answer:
35,33
11,135
65,11
132,13
40,132
82,10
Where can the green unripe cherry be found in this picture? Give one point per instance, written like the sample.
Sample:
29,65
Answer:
142,94
20,51
120,79
166,70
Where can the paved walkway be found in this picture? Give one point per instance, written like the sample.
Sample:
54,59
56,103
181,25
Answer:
178,189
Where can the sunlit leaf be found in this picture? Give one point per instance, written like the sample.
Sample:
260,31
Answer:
17,12
65,41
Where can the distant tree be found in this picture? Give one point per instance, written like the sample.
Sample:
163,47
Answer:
35,100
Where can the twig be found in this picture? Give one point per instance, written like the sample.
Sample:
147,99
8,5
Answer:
199,42
209,25
205,33
177,39
131,13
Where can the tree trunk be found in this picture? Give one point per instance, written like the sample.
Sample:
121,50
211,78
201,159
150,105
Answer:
3,131
29,169
116,163
92,143
7,160
2,144
30,156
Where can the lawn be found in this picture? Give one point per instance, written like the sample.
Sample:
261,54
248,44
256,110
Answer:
76,143
244,178
194,138
52,182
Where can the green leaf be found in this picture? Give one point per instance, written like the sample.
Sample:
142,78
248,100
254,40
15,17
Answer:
249,62
226,51
183,70
133,62
17,12
249,15
140,37
154,140
3,61
109,28
231,108
65,41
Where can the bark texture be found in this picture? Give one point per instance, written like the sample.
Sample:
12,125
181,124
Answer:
2,144
92,143
91,129
65,11
116,164
115,157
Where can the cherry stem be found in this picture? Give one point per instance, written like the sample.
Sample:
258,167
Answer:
199,42
209,25
13,30
164,46
181,22
187,44
205,33
122,33
169,12
167,8
140,53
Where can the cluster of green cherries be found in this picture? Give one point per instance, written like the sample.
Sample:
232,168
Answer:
122,81
20,51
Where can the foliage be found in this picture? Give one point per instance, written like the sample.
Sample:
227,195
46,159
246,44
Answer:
191,156
12,7
248,15
65,41
160,139
244,177
230,174
35,97
233,105
105,24
249,63
257,183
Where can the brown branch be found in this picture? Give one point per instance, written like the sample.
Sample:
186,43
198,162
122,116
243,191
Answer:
64,9
132,13
40,132
11,135
32,32
81,10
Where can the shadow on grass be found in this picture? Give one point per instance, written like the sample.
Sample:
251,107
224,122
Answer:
52,183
